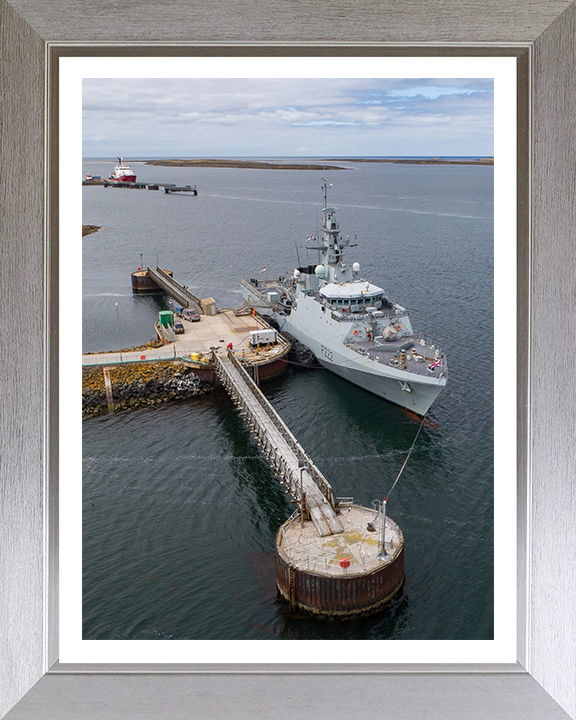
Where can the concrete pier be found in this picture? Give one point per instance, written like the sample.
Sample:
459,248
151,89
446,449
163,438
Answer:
343,575
333,558
200,337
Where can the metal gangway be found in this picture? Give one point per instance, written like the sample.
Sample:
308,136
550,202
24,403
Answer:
173,288
304,481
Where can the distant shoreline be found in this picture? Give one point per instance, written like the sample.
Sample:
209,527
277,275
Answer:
253,164
259,165
418,161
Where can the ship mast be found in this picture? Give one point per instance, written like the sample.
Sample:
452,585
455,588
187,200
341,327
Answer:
325,187
330,245
330,230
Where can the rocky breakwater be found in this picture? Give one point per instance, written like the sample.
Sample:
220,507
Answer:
139,385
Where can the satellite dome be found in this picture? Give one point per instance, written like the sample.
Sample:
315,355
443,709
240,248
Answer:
296,274
320,271
356,267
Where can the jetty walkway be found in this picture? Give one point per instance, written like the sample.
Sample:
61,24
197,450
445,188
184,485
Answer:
168,187
305,482
174,289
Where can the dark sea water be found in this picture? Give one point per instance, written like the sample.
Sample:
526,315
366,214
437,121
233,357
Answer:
180,510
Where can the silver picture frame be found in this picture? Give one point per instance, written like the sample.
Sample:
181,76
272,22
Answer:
542,684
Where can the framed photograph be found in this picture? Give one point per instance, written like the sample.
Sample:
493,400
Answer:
540,683
210,494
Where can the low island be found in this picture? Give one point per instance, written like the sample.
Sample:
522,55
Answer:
420,161
253,164
89,229
261,165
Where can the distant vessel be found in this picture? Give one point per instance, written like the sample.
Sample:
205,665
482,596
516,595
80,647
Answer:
350,325
122,173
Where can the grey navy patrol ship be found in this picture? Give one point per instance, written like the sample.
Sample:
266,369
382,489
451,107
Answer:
350,325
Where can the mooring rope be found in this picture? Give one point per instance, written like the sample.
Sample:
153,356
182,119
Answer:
407,456
402,468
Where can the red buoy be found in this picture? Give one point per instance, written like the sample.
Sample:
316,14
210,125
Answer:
345,563
142,357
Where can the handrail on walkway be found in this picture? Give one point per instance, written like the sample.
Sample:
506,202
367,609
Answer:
173,288
321,482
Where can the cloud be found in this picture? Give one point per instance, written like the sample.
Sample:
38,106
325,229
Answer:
202,117
324,122
432,92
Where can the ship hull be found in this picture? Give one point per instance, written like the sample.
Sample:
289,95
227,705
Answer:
124,178
325,338
418,399
373,377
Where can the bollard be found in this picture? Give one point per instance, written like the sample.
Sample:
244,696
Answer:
108,384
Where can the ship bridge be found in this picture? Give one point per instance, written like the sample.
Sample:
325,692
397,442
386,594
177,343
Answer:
351,290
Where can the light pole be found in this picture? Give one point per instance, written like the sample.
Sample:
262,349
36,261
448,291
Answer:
382,554
118,323
301,468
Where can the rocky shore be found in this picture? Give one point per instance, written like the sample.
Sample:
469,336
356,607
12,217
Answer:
139,385
134,348
89,229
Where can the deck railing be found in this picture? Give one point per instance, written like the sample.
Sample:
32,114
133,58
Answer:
321,482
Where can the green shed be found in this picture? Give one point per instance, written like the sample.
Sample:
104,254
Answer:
166,317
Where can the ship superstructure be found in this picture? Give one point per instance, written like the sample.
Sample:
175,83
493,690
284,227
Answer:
350,325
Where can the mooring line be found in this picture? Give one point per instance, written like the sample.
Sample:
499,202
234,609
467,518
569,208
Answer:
407,456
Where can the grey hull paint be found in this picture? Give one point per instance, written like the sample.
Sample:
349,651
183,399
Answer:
418,401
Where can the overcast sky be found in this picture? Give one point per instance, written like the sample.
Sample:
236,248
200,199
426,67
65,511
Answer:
287,117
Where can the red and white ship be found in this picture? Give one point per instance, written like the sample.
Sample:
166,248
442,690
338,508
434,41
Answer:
122,173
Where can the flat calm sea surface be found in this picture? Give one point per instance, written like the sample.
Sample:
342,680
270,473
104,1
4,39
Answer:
180,510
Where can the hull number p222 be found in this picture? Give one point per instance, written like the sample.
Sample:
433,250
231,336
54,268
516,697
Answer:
327,353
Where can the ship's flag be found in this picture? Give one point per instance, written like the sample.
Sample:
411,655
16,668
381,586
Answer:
311,238
435,364
264,268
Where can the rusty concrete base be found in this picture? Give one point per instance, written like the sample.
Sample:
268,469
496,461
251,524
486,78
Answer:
310,577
